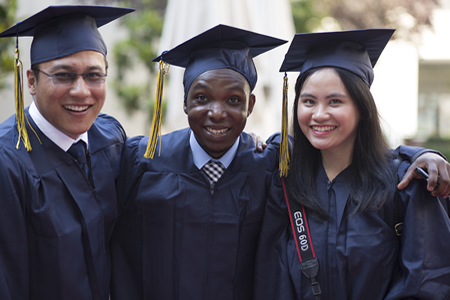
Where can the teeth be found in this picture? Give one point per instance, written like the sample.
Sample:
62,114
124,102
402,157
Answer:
323,128
76,108
213,131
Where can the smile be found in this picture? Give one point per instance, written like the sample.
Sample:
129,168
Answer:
216,132
76,107
323,128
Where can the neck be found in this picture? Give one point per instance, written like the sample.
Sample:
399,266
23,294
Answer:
335,162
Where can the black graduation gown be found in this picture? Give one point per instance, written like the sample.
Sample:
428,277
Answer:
178,238
54,226
359,257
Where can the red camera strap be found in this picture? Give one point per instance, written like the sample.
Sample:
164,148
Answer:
303,243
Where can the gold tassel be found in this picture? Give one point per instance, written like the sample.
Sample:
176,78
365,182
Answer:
157,113
20,113
284,144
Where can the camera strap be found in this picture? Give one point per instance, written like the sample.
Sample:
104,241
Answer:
303,243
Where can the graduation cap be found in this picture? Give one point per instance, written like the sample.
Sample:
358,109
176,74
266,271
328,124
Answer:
58,31
221,47
356,51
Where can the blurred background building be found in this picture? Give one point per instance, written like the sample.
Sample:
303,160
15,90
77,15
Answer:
412,77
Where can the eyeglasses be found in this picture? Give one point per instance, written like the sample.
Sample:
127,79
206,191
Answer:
92,79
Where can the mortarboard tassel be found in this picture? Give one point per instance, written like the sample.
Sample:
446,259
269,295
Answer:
157,112
20,113
284,144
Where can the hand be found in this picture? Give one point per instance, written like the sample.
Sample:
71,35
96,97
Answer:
436,166
260,144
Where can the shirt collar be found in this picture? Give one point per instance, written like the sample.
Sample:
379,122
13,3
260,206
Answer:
201,157
62,140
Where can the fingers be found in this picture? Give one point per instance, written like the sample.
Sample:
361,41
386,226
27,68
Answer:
442,182
438,170
409,175
259,142
259,146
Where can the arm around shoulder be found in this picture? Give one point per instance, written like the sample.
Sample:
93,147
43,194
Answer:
433,162
425,240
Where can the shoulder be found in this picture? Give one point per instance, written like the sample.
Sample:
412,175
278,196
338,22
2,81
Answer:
106,122
15,165
248,155
416,192
9,155
170,143
172,151
8,130
399,162
106,131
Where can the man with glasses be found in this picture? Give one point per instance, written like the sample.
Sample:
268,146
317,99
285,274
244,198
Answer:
58,162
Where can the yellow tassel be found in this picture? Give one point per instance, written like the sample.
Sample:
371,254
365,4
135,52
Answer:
284,144
20,113
157,113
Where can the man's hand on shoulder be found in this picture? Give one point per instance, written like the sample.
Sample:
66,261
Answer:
259,142
437,168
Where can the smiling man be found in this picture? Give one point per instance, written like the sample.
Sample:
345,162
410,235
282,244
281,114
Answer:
217,105
73,94
191,217
58,202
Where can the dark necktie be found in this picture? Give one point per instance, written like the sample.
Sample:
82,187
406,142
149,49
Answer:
214,169
78,151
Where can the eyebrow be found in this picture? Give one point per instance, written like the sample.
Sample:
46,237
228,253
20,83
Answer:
70,68
333,95
307,95
199,85
234,87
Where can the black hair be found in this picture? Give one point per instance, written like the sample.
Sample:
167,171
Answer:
35,69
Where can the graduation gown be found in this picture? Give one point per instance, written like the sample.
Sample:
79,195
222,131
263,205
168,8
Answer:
360,257
55,226
178,237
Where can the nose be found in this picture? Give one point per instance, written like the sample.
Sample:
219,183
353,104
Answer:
217,110
79,87
321,113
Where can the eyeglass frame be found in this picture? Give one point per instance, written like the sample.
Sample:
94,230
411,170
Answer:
101,79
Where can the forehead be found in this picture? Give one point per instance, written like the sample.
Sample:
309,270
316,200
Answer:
218,76
82,59
323,77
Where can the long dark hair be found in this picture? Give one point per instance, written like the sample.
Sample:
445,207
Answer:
372,179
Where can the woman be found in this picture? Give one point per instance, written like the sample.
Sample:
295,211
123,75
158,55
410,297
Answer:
348,195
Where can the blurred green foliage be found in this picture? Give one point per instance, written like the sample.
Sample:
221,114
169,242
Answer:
410,18
442,145
7,14
138,49
306,15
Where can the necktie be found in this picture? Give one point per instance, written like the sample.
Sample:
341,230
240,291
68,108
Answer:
78,151
214,169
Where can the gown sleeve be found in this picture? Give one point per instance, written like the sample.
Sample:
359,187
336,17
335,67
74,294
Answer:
130,171
424,245
411,153
272,277
13,232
